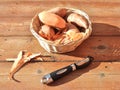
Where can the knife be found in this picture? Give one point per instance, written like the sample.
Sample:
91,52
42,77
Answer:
55,75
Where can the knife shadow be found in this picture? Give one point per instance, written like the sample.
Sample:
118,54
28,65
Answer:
98,29
74,75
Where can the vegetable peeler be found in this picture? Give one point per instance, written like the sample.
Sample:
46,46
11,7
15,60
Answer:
55,75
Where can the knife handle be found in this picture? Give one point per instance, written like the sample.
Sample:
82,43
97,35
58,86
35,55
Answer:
53,76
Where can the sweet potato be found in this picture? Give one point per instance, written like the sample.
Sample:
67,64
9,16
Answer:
47,32
59,11
72,27
52,19
78,19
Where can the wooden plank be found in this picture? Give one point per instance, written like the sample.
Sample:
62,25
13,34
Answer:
20,26
15,26
105,76
30,8
103,45
100,47
67,0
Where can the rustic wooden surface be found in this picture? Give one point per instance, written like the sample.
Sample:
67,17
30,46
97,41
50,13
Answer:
103,44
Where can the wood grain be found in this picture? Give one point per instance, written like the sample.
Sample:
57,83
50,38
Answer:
20,26
103,45
30,8
103,76
66,0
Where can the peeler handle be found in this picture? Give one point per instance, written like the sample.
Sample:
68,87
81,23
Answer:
53,76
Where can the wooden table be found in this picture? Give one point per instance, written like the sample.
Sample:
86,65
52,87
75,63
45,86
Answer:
103,44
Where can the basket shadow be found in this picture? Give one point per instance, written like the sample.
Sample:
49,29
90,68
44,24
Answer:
95,45
78,53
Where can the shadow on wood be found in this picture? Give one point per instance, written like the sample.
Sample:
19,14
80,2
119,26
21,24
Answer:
103,29
100,45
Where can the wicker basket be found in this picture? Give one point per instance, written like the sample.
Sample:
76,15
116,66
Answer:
50,46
